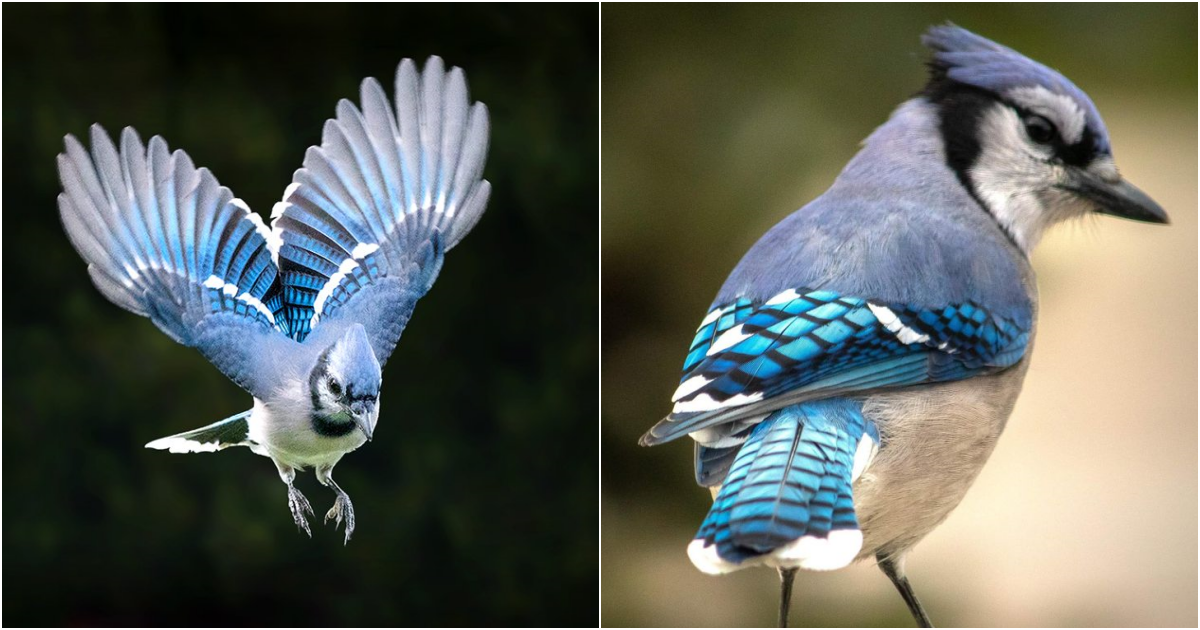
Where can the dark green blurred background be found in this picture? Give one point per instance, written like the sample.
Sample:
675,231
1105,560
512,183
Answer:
476,502
719,121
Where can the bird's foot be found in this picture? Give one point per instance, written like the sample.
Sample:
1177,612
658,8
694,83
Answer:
342,510
299,505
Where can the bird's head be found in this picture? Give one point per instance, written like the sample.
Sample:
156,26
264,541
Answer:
1027,143
344,385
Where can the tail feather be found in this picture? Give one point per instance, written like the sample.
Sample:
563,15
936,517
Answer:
787,499
232,431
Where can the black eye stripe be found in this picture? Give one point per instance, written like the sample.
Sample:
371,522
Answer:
1079,154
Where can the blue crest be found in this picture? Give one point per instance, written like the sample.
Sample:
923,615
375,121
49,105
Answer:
967,58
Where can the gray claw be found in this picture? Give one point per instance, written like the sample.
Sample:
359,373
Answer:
342,510
298,504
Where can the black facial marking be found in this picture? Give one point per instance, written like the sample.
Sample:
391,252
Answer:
314,377
1079,154
1083,152
962,106
322,423
960,111
328,427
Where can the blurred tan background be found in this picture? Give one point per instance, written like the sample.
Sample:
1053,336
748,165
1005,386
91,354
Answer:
717,122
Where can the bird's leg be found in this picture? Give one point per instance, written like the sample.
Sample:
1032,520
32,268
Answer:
785,594
342,508
894,569
297,503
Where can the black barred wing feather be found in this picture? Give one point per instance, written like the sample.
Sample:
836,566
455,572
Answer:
748,358
163,239
365,223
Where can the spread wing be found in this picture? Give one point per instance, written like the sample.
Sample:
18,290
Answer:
164,240
364,224
748,358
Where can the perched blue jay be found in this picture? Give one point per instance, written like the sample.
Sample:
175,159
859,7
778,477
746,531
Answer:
856,369
302,315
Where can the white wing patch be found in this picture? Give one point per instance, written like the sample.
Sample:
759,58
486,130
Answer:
689,386
142,265
361,251
728,339
704,402
713,315
783,298
213,282
182,445
889,320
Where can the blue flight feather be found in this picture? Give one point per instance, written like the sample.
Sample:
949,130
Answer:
791,478
816,342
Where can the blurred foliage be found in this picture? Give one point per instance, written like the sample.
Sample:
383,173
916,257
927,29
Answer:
719,120
476,502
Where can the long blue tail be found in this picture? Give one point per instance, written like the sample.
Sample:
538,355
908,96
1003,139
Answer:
787,498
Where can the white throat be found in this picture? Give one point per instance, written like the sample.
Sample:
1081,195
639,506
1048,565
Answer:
1016,180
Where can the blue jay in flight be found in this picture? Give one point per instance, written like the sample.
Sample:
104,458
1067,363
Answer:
854,372
302,314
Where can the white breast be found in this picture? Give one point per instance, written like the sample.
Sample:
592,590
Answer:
284,430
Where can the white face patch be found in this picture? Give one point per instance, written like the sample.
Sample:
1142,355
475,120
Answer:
889,320
1016,180
1059,109
1105,169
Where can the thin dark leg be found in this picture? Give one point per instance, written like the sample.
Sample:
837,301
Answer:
896,575
785,594
342,508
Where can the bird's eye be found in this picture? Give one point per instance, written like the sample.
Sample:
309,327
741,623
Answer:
1039,129
335,387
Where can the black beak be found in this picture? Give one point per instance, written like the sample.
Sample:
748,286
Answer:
360,412
1118,198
